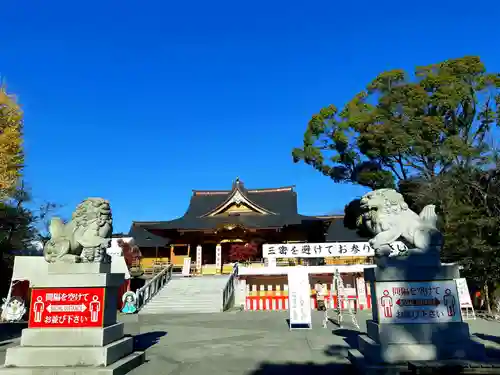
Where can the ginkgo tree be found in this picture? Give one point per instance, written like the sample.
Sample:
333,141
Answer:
11,142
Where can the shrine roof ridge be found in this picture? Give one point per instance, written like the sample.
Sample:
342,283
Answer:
326,217
262,190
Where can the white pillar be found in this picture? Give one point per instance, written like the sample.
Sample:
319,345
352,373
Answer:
198,259
271,262
218,258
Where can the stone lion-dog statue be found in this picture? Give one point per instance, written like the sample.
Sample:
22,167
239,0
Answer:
386,214
85,238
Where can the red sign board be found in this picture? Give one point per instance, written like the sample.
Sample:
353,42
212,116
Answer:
66,308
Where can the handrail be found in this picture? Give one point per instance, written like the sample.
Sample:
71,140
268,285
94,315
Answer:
228,292
153,286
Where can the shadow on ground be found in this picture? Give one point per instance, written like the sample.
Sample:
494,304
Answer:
351,339
350,336
491,352
301,368
494,339
10,331
146,340
297,326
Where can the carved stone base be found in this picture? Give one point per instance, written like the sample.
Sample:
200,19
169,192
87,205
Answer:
69,356
121,367
378,353
78,268
391,345
76,351
395,343
56,337
414,257
401,270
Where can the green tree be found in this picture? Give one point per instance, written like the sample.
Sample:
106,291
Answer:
16,232
405,126
43,216
20,227
428,135
469,202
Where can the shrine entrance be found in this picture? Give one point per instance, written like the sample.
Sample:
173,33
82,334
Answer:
208,253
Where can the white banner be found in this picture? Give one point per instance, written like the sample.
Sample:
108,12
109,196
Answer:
218,258
403,302
299,297
326,249
361,285
199,254
186,267
463,293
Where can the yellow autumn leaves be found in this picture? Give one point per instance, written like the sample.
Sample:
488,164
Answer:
11,142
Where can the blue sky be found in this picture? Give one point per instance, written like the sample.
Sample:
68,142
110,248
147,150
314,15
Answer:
140,104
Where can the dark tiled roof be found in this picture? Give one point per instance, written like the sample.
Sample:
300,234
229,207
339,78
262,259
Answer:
338,232
281,203
144,238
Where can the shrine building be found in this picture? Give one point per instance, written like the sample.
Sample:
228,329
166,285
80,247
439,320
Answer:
217,219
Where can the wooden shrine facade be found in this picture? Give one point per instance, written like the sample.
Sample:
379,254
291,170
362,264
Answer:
217,219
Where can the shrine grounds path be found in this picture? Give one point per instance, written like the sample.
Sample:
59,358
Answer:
254,343
248,343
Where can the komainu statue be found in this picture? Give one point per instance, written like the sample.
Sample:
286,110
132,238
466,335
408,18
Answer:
387,216
85,238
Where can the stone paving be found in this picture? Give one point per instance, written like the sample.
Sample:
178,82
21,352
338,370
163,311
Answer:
236,343
254,343
249,343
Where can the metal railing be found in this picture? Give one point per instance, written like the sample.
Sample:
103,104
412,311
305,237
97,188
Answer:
153,286
228,292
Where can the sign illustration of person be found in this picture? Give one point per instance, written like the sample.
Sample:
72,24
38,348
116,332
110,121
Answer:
386,303
95,308
13,310
38,308
129,303
449,302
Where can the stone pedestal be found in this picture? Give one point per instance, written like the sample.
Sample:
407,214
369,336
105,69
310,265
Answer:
389,344
75,350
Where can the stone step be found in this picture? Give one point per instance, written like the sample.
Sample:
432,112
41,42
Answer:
121,367
193,307
181,305
184,303
188,295
182,312
34,356
174,296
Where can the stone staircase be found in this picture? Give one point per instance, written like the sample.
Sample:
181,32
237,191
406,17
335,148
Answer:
188,295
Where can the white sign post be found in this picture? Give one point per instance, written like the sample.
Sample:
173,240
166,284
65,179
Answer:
218,259
199,255
464,298
186,267
361,286
401,302
271,262
299,298
327,249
